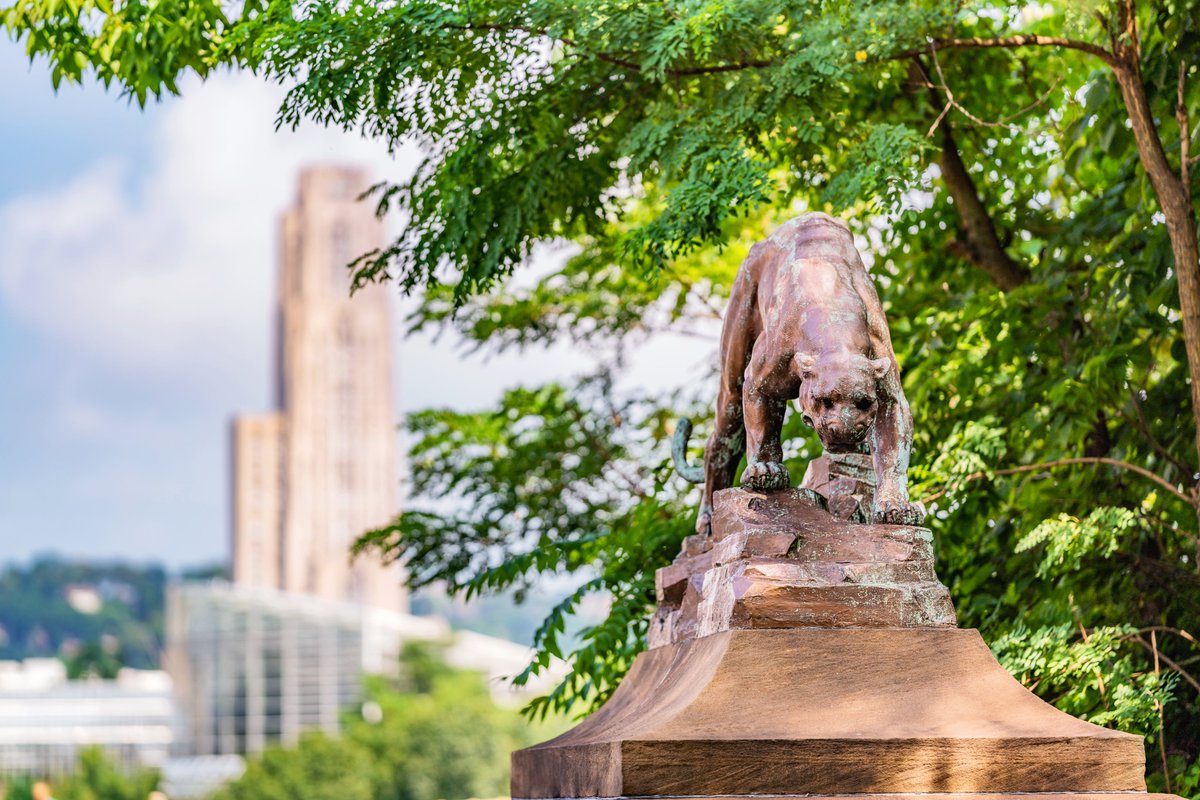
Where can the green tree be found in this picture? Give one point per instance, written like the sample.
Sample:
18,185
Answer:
1022,175
20,788
97,778
94,660
38,621
319,766
437,733
434,734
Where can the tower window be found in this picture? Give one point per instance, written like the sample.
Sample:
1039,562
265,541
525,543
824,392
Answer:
341,254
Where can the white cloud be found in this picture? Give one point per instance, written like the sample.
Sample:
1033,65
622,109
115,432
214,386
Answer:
171,276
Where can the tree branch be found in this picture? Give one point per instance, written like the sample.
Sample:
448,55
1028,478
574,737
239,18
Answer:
1003,122
1183,673
982,245
1066,462
1022,40
1144,428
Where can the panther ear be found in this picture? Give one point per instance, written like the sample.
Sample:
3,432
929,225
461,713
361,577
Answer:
880,366
805,363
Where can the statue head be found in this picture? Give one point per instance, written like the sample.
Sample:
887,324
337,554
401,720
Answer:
838,396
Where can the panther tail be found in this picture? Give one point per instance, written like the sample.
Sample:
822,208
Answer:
693,473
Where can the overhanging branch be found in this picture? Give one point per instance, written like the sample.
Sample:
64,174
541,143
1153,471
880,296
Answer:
1009,42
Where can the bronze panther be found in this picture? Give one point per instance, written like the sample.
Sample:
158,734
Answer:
804,322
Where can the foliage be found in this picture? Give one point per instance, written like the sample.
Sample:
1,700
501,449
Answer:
662,139
1034,407
1068,541
319,766
36,620
433,734
547,483
697,104
95,660
95,777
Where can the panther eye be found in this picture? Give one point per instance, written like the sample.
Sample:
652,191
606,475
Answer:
864,403
808,420
827,402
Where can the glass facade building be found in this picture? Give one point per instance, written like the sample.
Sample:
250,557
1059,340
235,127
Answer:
46,720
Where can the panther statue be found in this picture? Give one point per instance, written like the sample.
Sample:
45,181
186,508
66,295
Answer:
804,323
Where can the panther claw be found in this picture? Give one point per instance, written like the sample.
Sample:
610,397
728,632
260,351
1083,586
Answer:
766,476
898,512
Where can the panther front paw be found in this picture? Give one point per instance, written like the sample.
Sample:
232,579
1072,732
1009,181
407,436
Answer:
898,512
704,521
766,476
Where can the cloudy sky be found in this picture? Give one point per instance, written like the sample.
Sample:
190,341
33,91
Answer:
136,281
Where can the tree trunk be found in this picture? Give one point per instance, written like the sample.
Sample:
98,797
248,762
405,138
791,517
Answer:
980,244
1174,199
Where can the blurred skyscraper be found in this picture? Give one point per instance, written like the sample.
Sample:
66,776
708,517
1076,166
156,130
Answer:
318,471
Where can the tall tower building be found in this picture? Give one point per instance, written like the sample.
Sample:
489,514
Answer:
320,470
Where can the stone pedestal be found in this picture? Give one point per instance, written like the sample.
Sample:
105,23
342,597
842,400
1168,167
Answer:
797,654
778,560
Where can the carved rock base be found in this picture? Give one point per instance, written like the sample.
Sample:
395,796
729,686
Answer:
777,560
827,711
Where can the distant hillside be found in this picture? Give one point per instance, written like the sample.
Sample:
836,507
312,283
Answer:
99,616
82,612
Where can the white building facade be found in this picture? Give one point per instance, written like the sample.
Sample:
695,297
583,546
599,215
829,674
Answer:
254,665
47,720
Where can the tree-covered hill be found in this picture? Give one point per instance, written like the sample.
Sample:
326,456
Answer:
94,615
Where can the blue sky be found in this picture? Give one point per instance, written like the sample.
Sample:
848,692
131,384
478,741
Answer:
136,281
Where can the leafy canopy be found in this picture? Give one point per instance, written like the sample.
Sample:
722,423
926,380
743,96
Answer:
537,119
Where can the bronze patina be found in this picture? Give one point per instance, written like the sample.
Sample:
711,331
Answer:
805,323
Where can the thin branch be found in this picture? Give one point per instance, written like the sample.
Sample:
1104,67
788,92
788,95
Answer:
1086,640
1144,428
1180,632
1023,40
937,122
1000,123
1066,462
1162,738
982,246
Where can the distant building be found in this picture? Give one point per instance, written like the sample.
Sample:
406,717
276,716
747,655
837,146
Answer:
254,665
311,476
198,777
46,720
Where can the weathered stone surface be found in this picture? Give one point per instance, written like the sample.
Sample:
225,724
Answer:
669,582
846,481
777,560
820,711
792,513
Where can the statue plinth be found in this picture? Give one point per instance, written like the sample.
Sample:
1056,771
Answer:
777,560
794,653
